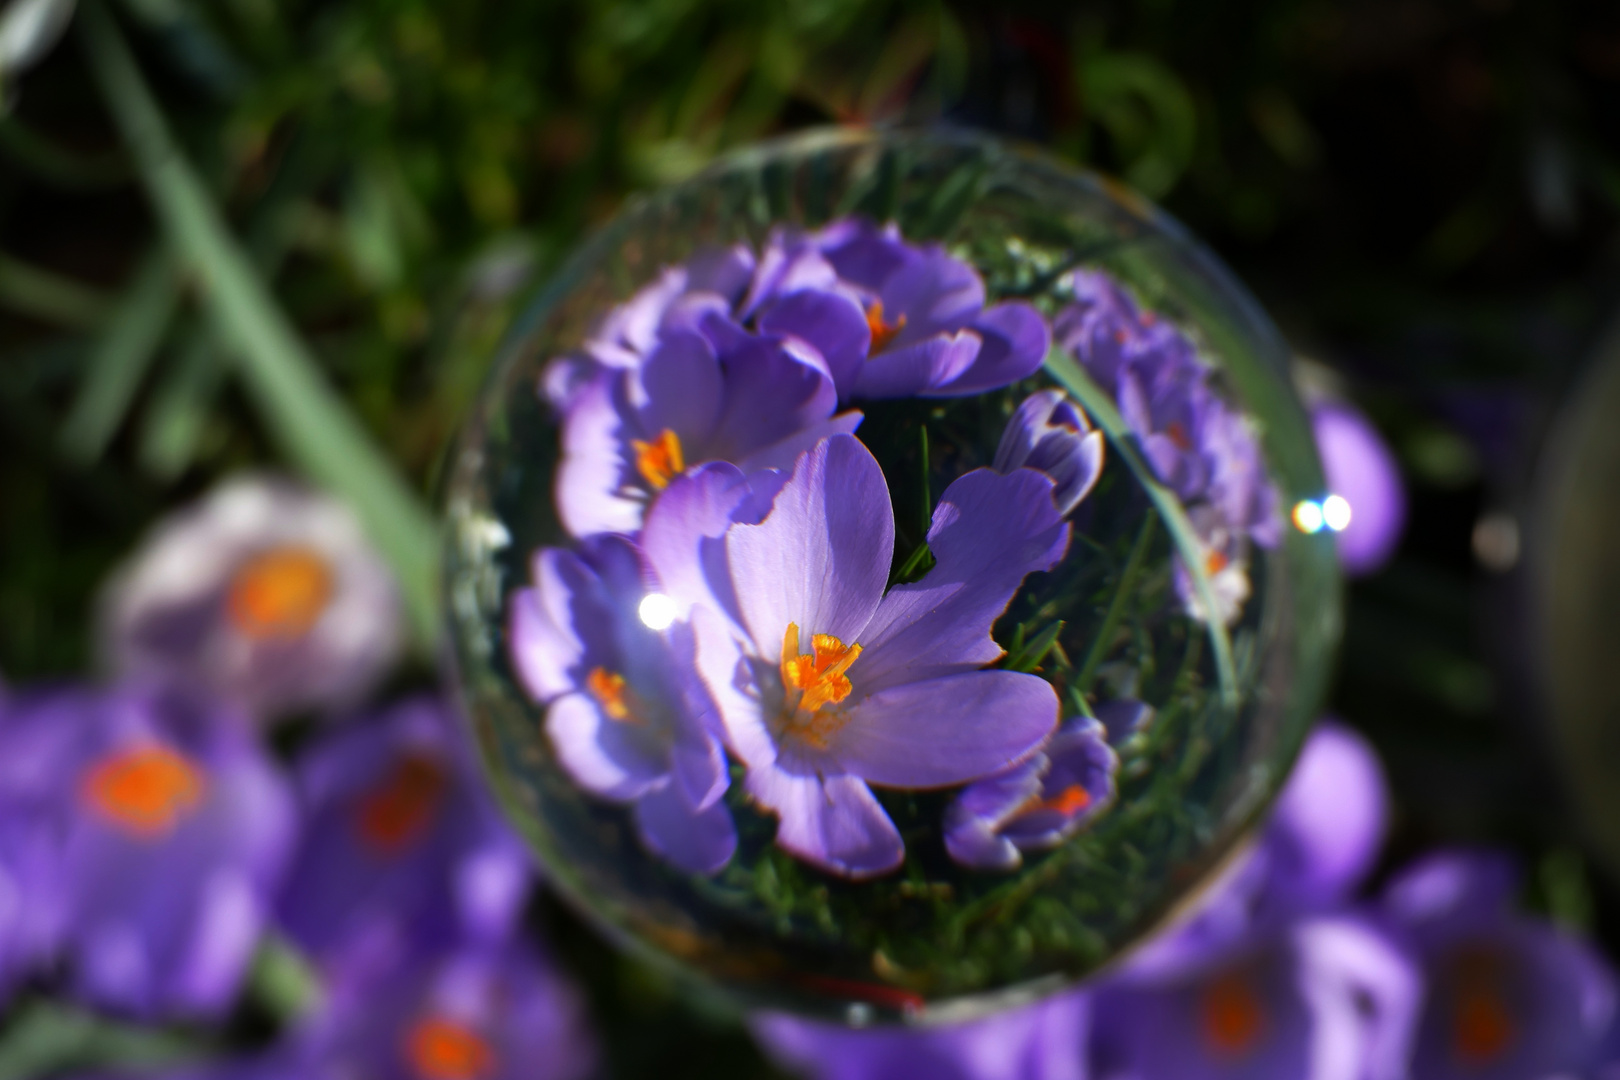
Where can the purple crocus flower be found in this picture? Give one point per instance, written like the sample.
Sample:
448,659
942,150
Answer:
1109,334
169,828
1036,1042
1361,470
709,391
1036,805
1508,996
473,1013
624,713
1265,977
265,593
1049,432
823,683
401,846
893,319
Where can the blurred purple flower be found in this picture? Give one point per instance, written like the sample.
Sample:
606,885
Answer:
1035,805
401,847
1361,469
1050,434
477,1013
623,714
265,593
1108,333
1035,1042
1264,977
159,829
891,689
1508,996
893,319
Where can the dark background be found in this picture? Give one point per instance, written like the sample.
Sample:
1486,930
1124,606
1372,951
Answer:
1423,194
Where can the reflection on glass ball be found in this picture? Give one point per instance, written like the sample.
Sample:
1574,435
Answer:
875,573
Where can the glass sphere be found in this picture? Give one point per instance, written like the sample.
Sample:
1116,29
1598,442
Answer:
889,570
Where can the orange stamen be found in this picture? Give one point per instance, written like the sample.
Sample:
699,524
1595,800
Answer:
1231,1015
1215,562
1177,432
820,681
442,1049
401,807
882,332
1071,800
1482,1026
609,691
661,460
279,593
144,791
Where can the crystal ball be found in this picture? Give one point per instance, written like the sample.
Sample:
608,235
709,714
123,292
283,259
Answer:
888,572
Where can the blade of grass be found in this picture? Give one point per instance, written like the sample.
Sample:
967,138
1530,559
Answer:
308,420
50,297
1101,408
120,357
173,423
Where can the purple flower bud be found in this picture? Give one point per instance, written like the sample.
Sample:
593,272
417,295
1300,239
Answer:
1048,432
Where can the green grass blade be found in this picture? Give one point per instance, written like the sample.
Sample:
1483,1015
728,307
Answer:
120,357
50,297
1101,408
310,423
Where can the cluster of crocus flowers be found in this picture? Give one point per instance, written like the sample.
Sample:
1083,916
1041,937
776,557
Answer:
729,594
1197,444
1280,970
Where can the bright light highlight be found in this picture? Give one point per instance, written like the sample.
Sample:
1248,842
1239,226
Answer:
657,611
1336,512
1308,516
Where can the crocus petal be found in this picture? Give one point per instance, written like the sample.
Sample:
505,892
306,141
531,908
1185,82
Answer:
974,818
830,321
1452,885
1016,339
542,655
863,253
934,291
682,538
727,671
700,841
725,271
834,822
781,455
989,531
773,388
821,557
603,756
906,370
593,470
1328,824
679,387
946,731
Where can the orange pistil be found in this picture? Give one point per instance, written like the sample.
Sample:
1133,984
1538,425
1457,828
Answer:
820,681
882,332
279,593
144,791
1231,1016
1071,800
1177,432
1215,562
439,1048
661,460
614,697
1482,1026
400,808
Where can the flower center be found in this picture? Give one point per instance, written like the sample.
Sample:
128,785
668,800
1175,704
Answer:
814,681
144,791
1071,800
442,1049
1231,1015
279,593
402,805
1215,562
661,460
882,332
1482,1026
1177,432
616,699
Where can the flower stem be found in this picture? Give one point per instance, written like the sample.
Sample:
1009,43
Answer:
1116,606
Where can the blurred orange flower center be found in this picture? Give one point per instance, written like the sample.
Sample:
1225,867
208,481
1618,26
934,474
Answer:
279,593
882,332
616,699
819,680
144,791
661,460
1231,1015
399,808
1071,800
1215,562
1482,1025
444,1049
1177,432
